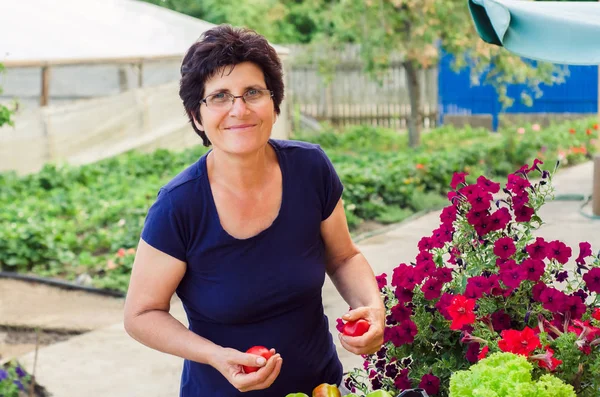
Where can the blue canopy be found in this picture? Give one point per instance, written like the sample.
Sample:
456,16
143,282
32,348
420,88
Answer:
557,32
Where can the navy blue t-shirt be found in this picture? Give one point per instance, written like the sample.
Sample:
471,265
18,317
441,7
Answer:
264,290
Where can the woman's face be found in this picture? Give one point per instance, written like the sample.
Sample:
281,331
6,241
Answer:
244,128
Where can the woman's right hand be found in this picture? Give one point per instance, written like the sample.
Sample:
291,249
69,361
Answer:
229,363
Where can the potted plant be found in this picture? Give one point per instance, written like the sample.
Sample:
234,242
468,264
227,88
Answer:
484,283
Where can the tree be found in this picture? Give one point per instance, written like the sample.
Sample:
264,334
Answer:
421,30
280,21
5,112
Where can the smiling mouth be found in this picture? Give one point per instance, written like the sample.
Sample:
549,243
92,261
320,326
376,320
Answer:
241,127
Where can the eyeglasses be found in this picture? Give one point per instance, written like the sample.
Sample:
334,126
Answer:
224,101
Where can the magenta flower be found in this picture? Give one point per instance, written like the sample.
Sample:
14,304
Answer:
501,321
524,214
381,280
575,305
432,288
500,219
538,249
476,287
425,244
403,295
401,334
473,352
520,200
448,214
457,179
401,313
480,200
512,278
476,217
484,227
424,256
559,251
592,280
430,383
442,235
553,300
534,268
585,250
443,304
444,274
537,290
517,184
402,381
504,247
406,276
488,185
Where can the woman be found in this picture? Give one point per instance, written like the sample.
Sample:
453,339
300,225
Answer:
245,236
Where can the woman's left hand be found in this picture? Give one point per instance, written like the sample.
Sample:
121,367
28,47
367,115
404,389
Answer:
371,341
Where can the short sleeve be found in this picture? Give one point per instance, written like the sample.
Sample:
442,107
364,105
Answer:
332,186
163,229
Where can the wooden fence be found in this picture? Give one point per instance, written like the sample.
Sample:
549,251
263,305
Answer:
353,97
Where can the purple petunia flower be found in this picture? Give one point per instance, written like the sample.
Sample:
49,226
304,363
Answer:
430,383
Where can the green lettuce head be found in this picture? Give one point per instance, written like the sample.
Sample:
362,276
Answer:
505,375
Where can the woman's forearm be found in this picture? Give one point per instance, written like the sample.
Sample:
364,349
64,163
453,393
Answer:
161,331
355,281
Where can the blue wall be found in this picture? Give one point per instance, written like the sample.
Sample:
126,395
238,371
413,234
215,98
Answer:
578,94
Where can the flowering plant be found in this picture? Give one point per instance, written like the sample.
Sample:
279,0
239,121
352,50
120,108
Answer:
12,380
482,283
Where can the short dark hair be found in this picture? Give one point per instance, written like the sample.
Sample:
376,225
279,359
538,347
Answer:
217,48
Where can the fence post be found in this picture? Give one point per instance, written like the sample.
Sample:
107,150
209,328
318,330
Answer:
45,89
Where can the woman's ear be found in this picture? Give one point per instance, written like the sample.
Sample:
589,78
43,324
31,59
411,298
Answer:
197,123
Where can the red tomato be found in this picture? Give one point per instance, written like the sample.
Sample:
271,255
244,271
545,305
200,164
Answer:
356,328
259,351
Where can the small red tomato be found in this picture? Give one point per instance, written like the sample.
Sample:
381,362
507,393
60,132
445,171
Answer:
356,328
259,351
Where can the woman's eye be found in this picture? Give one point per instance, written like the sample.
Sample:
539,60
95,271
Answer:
252,92
220,95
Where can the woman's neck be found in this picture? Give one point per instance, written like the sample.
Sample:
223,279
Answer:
241,173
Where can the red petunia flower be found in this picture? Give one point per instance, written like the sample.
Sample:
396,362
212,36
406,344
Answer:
559,251
472,352
483,353
457,179
513,278
519,342
475,217
547,360
592,280
538,249
403,295
504,247
596,314
461,312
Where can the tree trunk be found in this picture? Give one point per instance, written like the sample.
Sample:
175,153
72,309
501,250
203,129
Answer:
414,91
